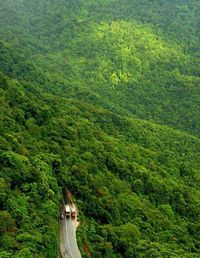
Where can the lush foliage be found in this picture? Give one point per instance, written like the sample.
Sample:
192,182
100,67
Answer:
87,92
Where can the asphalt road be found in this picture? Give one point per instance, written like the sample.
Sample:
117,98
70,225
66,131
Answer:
68,246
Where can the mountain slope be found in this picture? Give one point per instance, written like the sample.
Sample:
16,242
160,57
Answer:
102,98
131,65
131,177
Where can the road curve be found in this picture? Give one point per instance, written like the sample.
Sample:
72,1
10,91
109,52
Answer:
68,244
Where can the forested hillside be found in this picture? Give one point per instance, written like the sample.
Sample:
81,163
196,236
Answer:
102,97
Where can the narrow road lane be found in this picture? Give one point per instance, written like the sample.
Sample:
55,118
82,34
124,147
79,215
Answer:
68,245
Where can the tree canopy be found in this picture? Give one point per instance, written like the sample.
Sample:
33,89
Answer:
102,97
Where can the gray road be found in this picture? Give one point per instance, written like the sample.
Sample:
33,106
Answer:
68,246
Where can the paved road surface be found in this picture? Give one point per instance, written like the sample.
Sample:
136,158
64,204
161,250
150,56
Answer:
68,246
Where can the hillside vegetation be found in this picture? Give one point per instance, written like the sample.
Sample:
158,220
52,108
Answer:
102,97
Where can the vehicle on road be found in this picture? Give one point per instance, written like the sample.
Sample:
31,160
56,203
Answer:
67,211
61,216
73,211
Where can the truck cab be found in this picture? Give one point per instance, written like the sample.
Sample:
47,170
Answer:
67,211
73,211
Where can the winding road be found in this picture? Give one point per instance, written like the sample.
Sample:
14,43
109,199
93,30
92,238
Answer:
68,244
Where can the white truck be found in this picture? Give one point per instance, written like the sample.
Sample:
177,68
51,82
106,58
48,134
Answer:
73,211
67,211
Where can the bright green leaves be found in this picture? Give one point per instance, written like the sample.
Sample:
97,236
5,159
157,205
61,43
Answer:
124,51
167,210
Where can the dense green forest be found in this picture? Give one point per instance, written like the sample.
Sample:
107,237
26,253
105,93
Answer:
102,97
